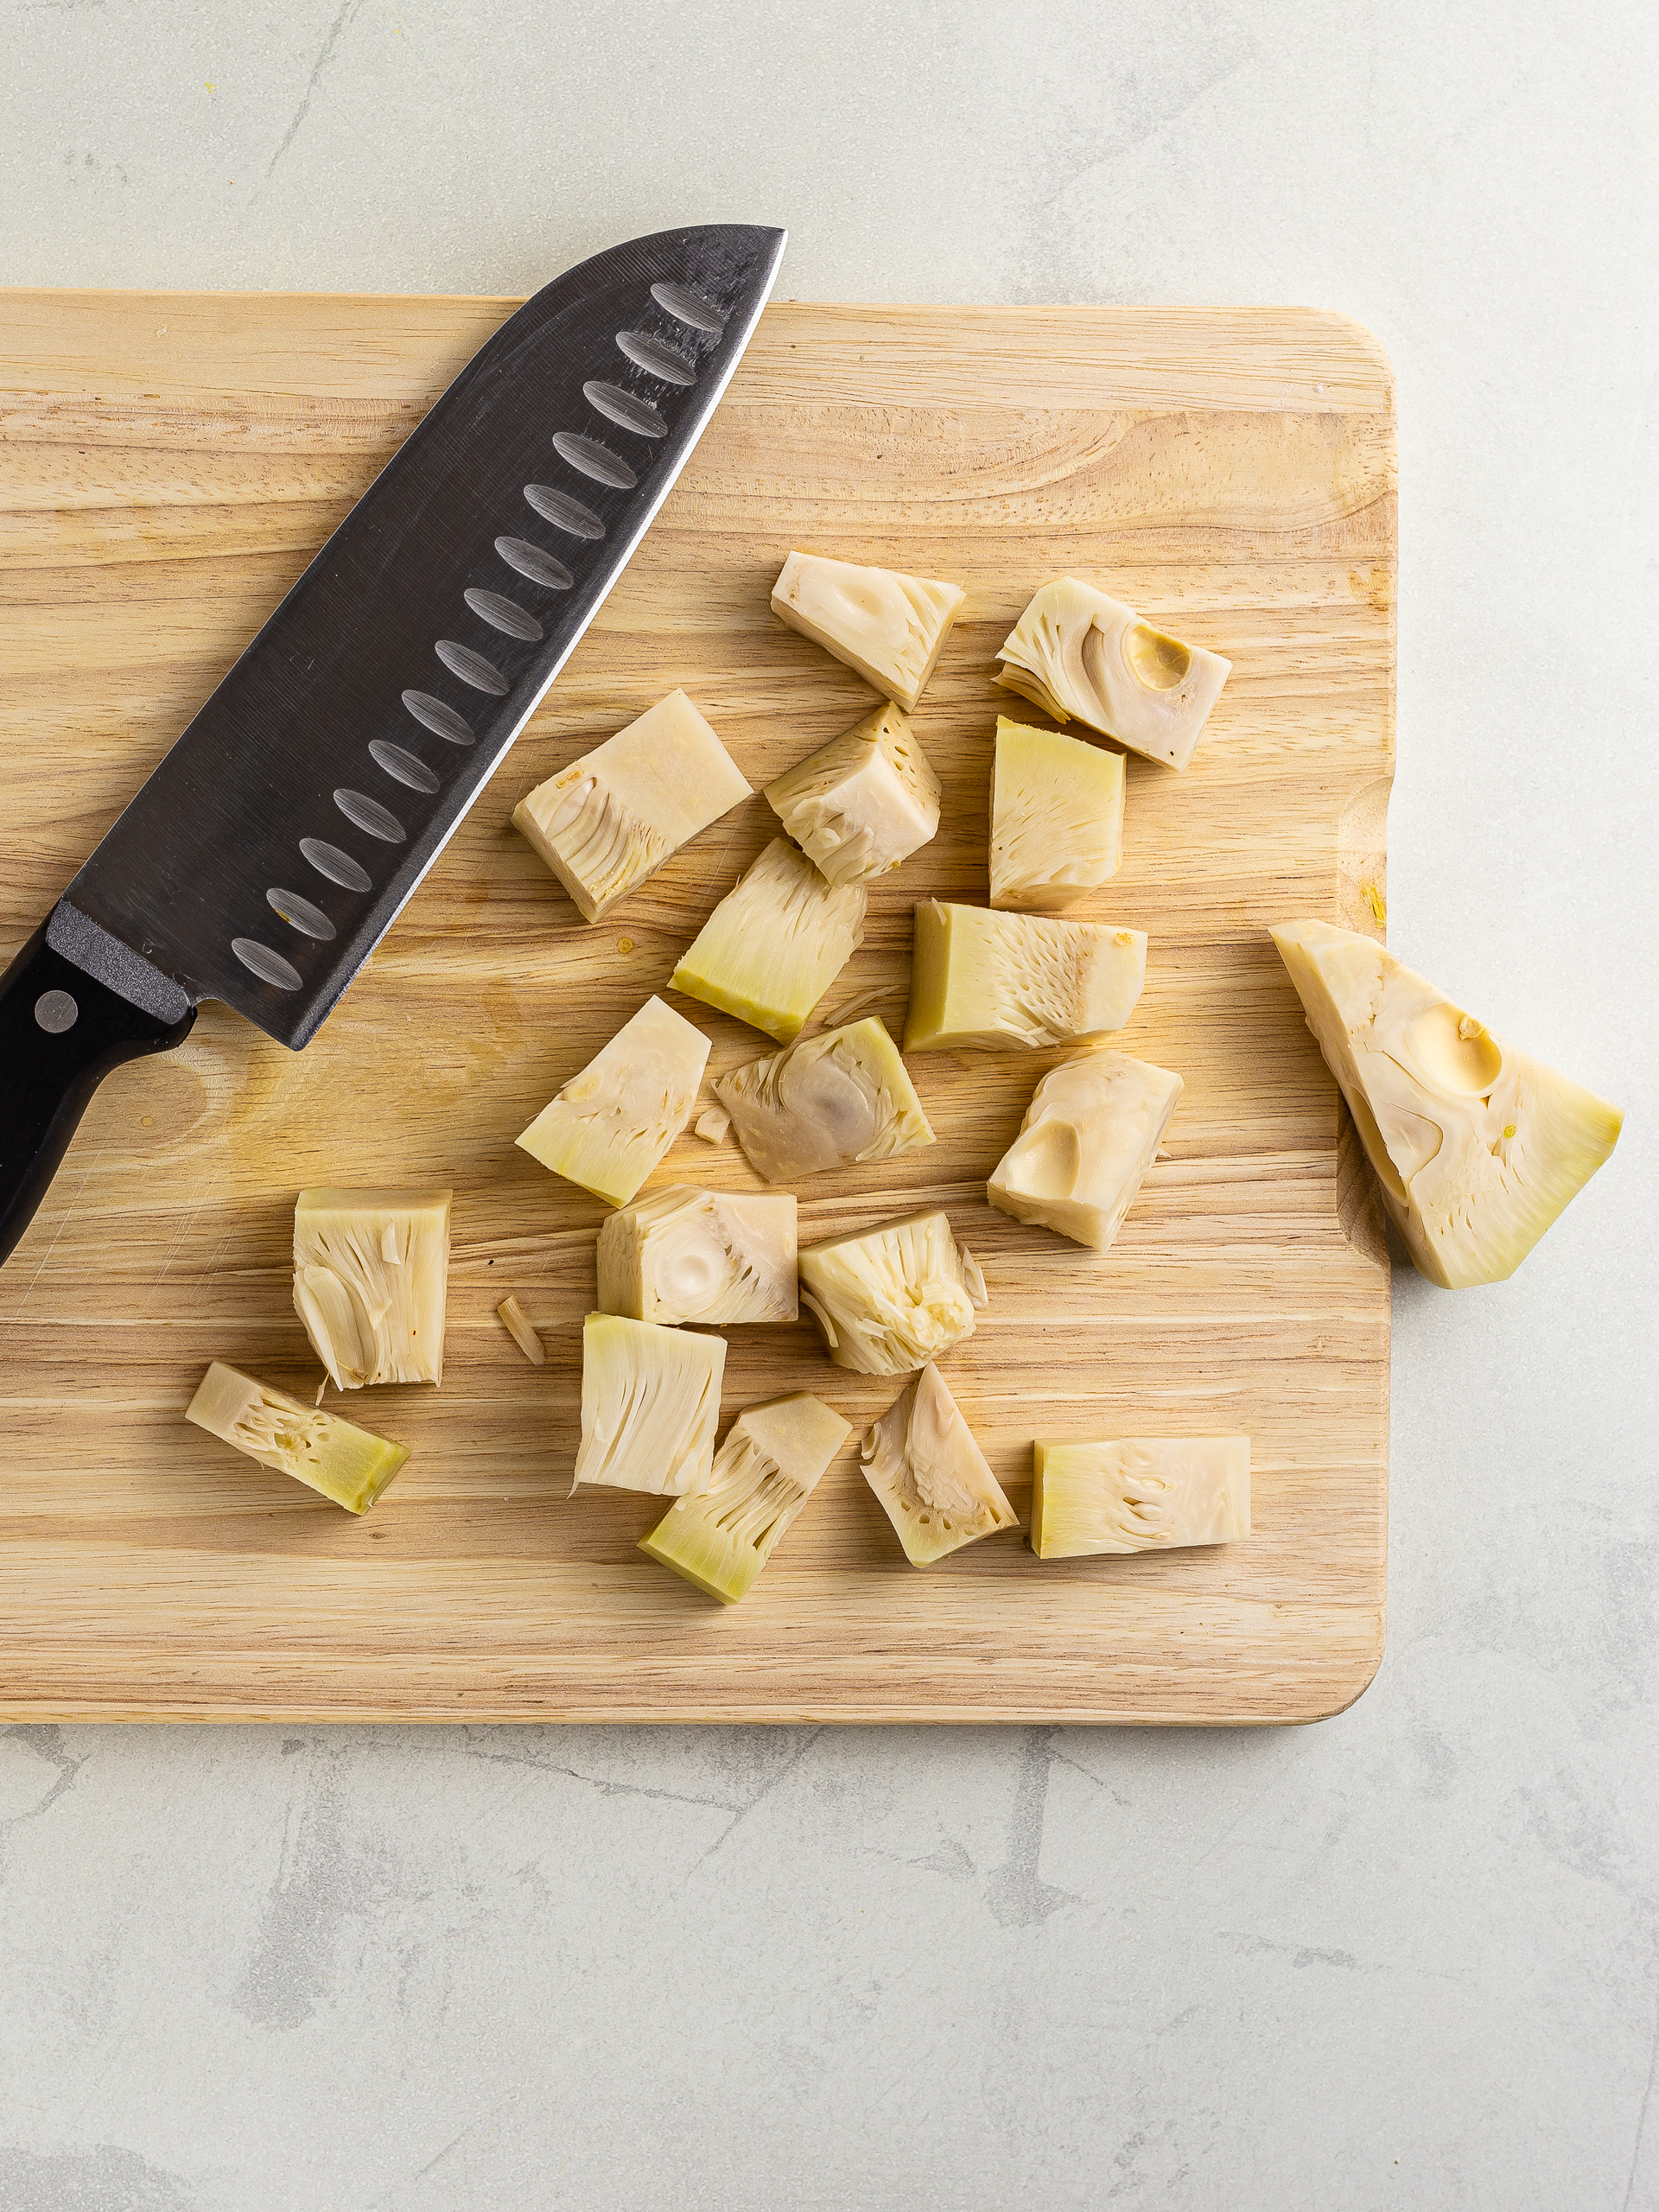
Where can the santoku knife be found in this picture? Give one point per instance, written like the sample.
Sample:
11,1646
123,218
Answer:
277,841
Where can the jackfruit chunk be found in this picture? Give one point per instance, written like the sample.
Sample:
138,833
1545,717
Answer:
825,1101
888,1299
889,628
520,1326
775,942
715,1126
1092,1129
650,1405
346,1464
610,1125
862,803
681,1255
1139,1494
922,1462
996,980
1076,652
1056,817
612,818
766,1471
371,1272
1478,1147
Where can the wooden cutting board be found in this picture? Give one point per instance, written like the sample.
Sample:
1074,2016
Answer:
168,463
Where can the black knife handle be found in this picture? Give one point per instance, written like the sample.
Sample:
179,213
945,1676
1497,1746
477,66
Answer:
61,1033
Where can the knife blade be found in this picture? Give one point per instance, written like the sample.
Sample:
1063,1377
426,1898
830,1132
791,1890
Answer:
279,838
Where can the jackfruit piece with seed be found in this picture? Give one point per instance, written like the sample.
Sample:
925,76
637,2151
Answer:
1056,817
371,1275
610,1125
830,1101
764,1473
890,1299
890,627
1000,980
1091,1131
861,804
344,1463
608,821
1139,1494
933,1481
1478,1147
650,1405
681,1255
775,942
1075,651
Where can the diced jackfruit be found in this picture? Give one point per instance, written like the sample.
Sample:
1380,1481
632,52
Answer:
824,1102
932,1479
679,1254
1139,1494
890,1299
714,1125
764,1473
775,942
371,1273
346,1464
611,1125
998,980
1091,1131
890,627
862,803
1056,817
650,1405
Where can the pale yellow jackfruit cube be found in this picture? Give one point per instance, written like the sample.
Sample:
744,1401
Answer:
890,1299
650,1405
935,1484
862,803
1139,1494
764,1473
709,1256
347,1463
611,1125
999,980
1091,1131
371,1276
828,1101
890,627
775,942
1056,817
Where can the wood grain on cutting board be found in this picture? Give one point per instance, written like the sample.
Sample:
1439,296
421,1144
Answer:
168,463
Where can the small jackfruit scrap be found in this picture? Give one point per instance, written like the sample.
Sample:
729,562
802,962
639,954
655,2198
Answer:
610,1125
1477,1146
824,1102
650,1405
933,1481
608,821
999,980
861,804
520,1326
346,1464
1139,1494
1056,817
764,1473
680,1254
775,942
1091,1131
890,627
715,1125
890,1299
371,1275
1074,651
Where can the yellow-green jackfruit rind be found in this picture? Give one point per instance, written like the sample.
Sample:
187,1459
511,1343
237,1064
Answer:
611,1125
769,1465
830,1101
775,944
650,1405
346,1464
993,982
1139,1494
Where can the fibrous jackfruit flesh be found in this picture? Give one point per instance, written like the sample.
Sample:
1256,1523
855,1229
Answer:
1076,652
520,1326
998,980
610,1125
347,1463
932,1479
862,803
1477,1147
1139,1494
764,1473
612,818
650,1405
680,1254
890,627
1056,817
890,1299
824,1102
1091,1131
775,942
371,1273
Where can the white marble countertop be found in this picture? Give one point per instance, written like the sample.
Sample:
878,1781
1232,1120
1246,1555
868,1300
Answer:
1405,1959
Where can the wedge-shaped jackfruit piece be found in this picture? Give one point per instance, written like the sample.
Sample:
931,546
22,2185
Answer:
890,627
861,804
825,1101
1056,817
610,1125
764,1473
922,1462
775,942
612,818
997,980
1139,1494
650,1405
371,1273
520,1326
680,1254
1477,1147
344,1463
888,1299
1074,651
715,1126
1092,1129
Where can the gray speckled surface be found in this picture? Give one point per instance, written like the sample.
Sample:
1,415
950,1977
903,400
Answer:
1406,1959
